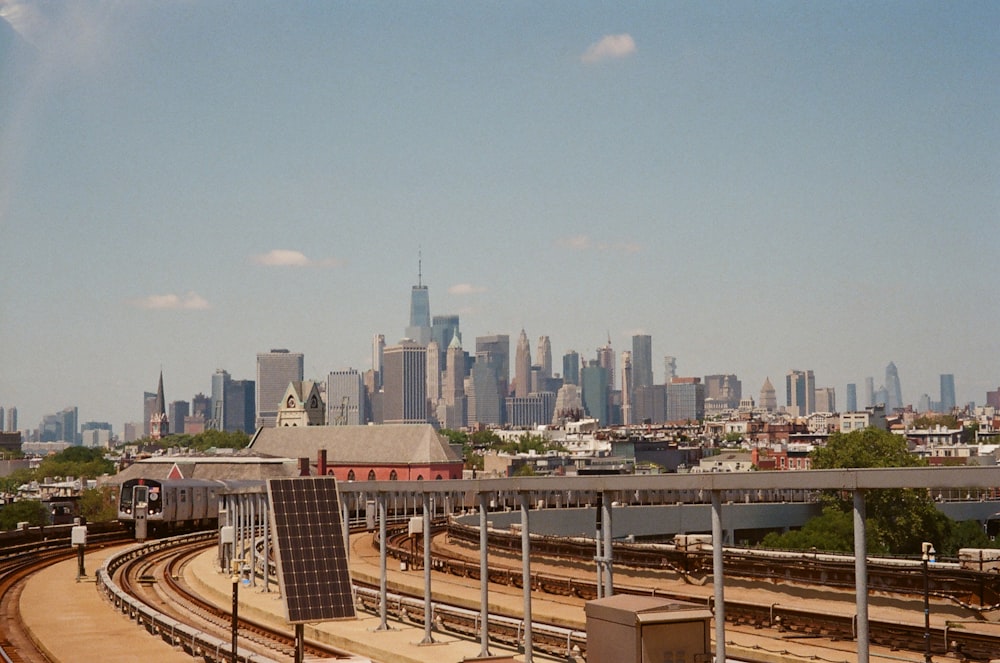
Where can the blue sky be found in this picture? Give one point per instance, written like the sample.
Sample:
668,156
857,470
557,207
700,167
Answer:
759,186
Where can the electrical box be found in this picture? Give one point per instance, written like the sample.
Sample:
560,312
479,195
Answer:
227,534
78,535
416,526
647,629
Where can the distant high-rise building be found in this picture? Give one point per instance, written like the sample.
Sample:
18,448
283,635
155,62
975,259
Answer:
649,404
768,396
177,412
881,397
627,386
826,399
419,329
522,367
869,395
234,403
201,406
669,368
454,386
642,361
404,398
11,419
378,347
725,388
685,399
3,426
606,360
95,435
275,369
947,392
571,367
220,388
159,423
800,392
495,351
892,388
532,410
434,356
443,329
345,398
852,398
544,357
148,403
485,394
594,391
993,398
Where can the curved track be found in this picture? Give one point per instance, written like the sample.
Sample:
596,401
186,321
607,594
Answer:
19,562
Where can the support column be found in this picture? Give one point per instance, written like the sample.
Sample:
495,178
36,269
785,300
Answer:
526,575
861,574
717,578
383,546
609,588
267,542
428,638
346,520
484,578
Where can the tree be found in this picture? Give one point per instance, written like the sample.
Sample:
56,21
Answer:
80,462
30,511
898,521
98,505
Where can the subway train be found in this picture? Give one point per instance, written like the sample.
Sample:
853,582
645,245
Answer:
157,507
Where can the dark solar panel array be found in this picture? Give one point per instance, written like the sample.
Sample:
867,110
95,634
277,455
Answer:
312,559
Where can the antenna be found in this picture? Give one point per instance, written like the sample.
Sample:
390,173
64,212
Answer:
420,268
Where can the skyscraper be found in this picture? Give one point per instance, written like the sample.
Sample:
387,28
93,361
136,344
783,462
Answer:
947,392
768,396
177,412
571,367
627,386
404,399
233,404
800,392
275,369
685,399
522,367
606,360
669,368
443,329
345,398
594,391
852,398
826,399
892,388
869,395
11,419
454,386
642,361
419,329
725,388
378,347
544,357
495,351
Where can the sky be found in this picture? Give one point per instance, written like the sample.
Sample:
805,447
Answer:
760,187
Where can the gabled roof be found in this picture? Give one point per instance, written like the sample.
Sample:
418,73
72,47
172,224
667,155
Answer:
398,444
232,468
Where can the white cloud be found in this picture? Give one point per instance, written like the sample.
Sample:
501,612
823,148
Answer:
584,243
191,301
465,289
291,258
610,47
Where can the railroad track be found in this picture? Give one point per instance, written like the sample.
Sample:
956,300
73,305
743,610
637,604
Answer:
19,562
155,579
974,641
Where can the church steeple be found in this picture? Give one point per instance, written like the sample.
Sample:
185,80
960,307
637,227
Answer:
159,424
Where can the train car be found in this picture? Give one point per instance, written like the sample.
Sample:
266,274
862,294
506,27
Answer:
163,506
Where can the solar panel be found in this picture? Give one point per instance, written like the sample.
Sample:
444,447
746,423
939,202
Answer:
309,543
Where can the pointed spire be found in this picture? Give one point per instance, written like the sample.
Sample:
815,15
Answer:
161,404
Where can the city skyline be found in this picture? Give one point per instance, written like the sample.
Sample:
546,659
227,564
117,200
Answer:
757,188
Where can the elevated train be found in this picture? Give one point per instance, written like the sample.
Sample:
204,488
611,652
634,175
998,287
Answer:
158,506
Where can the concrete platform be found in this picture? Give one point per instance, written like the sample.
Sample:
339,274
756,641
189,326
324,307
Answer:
72,622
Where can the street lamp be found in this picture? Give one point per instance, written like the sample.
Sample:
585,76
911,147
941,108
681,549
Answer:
927,556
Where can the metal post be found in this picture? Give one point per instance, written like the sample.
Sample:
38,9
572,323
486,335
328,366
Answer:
346,523
927,556
252,506
526,575
428,638
609,587
383,608
236,606
267,542
484,579
861,575
717,578
598,537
